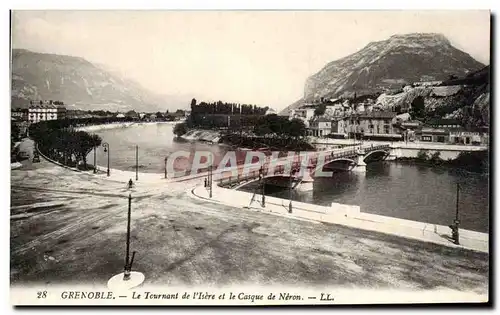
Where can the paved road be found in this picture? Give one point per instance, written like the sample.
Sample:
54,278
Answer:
69,227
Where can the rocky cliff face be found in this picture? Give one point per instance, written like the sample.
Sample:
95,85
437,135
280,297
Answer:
390,64
76,81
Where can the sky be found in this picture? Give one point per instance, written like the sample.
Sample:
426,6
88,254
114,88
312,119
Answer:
257,57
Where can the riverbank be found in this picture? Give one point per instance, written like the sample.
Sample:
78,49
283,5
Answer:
473,162
346,215
121,125
211,136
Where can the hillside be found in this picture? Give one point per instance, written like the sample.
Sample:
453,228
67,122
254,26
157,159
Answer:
389,64
79,83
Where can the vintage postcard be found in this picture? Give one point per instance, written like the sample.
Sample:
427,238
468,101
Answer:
249,157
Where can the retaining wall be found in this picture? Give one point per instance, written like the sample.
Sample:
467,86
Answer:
350,215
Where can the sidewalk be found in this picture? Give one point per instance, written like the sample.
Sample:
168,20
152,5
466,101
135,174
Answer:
346,215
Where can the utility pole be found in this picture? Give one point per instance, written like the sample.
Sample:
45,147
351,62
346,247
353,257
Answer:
127,254
136,162
454,227
166,167
95,163
210,176
290,191
263,186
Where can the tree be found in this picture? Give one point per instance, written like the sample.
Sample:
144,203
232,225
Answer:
296,128
417,109
14,133
180,129
85,143
397,109
423,155
320,110
193,102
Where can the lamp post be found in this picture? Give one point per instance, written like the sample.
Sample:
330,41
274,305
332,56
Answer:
95,163
290,191
128,264
166,158
456,222
263,183
210,176
105,145
136,162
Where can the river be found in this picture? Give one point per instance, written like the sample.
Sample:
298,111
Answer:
406,191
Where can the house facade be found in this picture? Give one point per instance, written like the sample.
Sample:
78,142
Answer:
369,124
19,114
320,127
45,111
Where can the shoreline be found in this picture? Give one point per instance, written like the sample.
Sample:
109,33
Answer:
119,125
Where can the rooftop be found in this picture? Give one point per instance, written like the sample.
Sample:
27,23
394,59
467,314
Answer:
443,122
376,115
46,106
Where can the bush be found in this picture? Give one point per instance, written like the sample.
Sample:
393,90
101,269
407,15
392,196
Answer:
436,158
423,155
180,129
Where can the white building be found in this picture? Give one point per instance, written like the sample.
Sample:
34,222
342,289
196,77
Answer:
270,111
305,113
45,111
320,127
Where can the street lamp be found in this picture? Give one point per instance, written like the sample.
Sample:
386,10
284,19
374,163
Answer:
136,163
456,222
263,185
95,164
290,191
166,158
105,145
210,174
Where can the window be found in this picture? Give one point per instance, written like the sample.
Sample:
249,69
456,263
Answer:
386,121
440,139
427,138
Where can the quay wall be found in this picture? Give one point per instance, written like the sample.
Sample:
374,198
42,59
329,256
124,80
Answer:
347,215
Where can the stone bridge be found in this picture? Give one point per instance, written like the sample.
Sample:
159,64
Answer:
303,169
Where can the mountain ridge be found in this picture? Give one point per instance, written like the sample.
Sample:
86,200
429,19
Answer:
80,84
388,64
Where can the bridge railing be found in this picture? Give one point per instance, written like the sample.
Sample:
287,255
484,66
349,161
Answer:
280,169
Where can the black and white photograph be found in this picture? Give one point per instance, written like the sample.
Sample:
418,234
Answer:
250,157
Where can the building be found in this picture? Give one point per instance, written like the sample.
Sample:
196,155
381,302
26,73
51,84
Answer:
427,83
369,125
270,111
304,113
320,127
451,131
43,111
19,114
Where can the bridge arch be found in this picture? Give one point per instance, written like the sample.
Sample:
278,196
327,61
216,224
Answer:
350,162
376,155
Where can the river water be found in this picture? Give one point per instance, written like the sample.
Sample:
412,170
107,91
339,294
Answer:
406,191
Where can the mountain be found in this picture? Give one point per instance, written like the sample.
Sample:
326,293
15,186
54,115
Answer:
80,84
389,64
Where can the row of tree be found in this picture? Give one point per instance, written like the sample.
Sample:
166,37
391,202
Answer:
262,126
65,145
279,126
220,107
51,102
